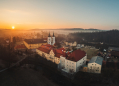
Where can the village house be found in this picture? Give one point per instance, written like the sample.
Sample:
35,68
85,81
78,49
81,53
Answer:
73,62
79,46
34,43
20,47
113,49
70,43
95,64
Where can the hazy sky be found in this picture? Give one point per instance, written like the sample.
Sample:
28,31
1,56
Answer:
29,14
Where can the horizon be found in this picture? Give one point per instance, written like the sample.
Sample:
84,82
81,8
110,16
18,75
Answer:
42,14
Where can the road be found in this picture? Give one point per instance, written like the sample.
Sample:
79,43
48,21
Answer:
14,64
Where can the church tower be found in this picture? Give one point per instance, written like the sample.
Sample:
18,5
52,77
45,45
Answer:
53,39
49,39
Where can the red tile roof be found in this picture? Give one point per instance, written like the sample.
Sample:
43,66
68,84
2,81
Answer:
20,47
44,38
48,45
45,48
76,55
59,52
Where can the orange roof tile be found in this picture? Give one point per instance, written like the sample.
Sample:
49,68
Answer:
45,48
20,47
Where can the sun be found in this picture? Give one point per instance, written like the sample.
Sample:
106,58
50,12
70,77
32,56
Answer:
13,27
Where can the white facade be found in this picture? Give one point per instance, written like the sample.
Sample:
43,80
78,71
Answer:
94,68
50,56
71,66
95,64
71,43
51,40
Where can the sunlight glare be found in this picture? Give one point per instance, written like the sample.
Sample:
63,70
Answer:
12,27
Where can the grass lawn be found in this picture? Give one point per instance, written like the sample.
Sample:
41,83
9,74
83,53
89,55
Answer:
90,52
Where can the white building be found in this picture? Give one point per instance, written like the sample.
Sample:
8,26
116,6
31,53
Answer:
73,61
70,43
51,40
95,64
48,52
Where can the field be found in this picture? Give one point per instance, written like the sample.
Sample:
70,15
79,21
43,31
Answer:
90,52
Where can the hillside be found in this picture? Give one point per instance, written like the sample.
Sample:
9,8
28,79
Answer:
24,77
109,37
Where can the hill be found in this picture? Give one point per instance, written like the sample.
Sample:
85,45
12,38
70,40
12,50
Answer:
109,37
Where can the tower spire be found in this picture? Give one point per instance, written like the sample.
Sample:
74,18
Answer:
49,34
53,34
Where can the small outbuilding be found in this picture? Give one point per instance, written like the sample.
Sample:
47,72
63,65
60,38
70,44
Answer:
95,64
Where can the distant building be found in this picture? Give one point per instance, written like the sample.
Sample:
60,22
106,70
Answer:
79,46
20,47
95,64
34,43
113,49
11,39
70,43
115,54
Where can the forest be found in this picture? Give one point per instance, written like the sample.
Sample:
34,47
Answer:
108,37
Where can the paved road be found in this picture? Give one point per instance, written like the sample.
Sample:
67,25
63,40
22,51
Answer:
13,64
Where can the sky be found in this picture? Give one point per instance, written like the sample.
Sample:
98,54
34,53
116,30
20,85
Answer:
55,14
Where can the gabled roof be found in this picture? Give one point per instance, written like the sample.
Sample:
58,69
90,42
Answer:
96,59
45,48
20,47
47,45
76,55
34,41
44,38
59,52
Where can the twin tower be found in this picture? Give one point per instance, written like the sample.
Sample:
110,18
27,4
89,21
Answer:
51,40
